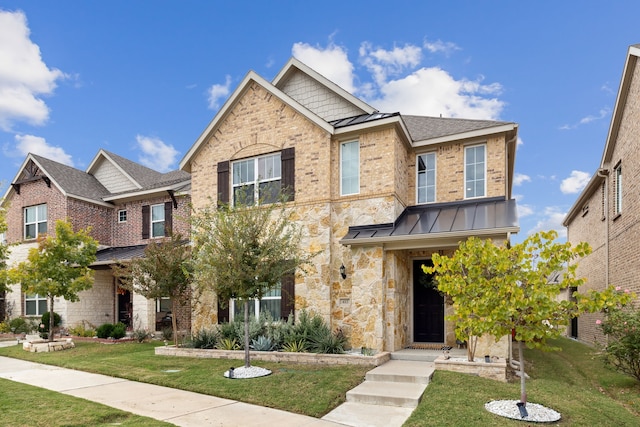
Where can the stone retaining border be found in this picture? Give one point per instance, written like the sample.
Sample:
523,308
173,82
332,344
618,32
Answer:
278,356
495,370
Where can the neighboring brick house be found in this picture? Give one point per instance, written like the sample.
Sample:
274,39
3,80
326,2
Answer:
126,204
377,193
607,213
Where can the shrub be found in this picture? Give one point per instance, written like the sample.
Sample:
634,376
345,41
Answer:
82,330
299,346
622,351
262,343
44,321
19,326
5,328
167,334
328,342
119,331
204,338
228,344
104,330
141,335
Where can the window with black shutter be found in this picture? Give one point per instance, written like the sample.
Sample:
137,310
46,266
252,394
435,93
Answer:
146,221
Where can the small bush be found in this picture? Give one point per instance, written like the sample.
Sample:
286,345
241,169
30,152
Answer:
141,335
19,326
82,331
228,344
204,338
262,343
299,346
104,330
622,352
5,328
329,343
167,334
119,331
44,321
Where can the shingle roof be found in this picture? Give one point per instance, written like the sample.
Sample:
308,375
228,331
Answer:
73,181
121,253
363,118
424,127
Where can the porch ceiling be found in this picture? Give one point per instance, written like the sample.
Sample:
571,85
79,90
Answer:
440,225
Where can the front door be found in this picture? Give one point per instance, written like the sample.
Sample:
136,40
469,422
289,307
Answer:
428,306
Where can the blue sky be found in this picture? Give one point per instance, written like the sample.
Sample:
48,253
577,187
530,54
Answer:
144,78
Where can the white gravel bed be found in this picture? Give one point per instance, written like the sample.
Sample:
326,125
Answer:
509,409
250,372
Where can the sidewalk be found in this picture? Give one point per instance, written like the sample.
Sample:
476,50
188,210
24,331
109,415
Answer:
182,408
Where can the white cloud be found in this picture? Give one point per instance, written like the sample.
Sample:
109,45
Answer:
331,62
524,210
156,154
382,63
602,114
24,77
217,92
400,84
439,46
520,178
26,144
551,219
575,183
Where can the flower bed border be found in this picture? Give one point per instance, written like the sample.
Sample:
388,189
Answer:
277,356
495,370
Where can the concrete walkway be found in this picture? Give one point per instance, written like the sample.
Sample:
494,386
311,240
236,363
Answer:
178,407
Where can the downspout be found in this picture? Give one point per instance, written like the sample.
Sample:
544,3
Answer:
604,173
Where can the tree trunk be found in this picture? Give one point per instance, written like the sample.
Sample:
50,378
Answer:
247,362
174,321
51,318
523,390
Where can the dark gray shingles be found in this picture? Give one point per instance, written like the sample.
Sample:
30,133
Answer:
73,181
423,128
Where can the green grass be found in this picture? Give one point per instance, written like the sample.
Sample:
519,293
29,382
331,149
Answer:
574,382
23,405
306,389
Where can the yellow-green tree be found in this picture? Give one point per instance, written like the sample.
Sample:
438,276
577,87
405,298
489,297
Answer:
244,251
499,289
58,266
162,272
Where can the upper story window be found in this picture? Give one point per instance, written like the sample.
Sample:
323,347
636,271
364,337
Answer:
257,179
426,180
475,167
349,168
617,177
157,220
35,221
122,215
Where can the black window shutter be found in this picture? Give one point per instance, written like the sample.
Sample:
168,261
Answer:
288,182
168,218
223,183
146,221
288,301
223,312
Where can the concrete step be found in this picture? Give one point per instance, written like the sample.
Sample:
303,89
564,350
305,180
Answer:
360,414
425,355
403,371
405,395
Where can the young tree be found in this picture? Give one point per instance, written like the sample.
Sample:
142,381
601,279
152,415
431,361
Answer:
164,271
499,289
243,251
4,252
58,266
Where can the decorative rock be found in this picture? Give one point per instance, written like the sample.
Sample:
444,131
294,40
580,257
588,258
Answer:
250,372
42,346
535,413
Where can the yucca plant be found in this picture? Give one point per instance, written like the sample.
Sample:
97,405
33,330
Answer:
296,346
228,344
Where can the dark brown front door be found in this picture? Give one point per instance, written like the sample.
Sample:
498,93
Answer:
428,306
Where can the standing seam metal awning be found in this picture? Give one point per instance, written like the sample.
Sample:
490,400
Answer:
442,224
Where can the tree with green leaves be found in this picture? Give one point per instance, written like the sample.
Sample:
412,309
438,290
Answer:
243,251
58,266
163,271
4,252
498,290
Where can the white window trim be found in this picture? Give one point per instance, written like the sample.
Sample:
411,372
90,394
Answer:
617,189
37,298
342,144
465,170
435,184
256,302
152,222
257,179
119,215
37,222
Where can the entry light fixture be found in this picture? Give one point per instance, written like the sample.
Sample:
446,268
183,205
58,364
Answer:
343,271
